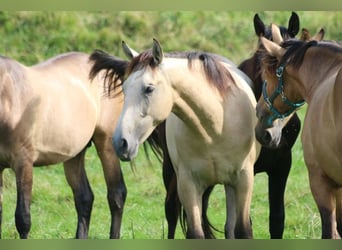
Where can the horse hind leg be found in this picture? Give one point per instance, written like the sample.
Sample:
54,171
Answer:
323,192
83,196
243,196
116,187
191,199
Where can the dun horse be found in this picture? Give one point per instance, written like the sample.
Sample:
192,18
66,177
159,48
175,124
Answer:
49,113
210,117
295,72
276,162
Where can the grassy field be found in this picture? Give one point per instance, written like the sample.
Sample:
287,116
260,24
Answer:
31,37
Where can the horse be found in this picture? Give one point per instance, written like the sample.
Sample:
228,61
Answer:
50,113
197,95
297,72
276,162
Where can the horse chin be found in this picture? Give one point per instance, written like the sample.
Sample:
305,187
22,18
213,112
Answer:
129,155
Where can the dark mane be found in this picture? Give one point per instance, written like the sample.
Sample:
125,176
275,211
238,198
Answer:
214,71
114,67
295,52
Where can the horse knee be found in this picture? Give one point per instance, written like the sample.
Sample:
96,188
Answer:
85,200
117,196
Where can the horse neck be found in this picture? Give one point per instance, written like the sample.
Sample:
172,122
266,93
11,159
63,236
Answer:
315,70
196,101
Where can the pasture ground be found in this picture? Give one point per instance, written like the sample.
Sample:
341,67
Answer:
31,37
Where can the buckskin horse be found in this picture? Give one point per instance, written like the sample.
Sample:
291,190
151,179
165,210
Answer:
49,113
204,150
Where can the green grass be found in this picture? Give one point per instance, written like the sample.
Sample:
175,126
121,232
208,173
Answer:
30,37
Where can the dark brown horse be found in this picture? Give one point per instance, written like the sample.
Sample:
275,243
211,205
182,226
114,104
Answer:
49,114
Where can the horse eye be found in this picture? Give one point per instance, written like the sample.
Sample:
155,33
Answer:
148,90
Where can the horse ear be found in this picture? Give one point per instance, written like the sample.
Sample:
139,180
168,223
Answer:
272,48
293,27
319,36
305,36
130,53
157,52
276,35
259,26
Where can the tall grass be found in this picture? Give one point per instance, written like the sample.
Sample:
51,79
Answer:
31,37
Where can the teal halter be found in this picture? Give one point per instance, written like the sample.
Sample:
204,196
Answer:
279,91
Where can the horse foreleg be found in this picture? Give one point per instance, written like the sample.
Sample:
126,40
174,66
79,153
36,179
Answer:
191,199
243,193
23,172
172,204
1,195
277,178
83,196
116,188
229,228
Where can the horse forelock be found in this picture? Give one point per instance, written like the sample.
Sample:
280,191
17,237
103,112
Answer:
141,61
218,75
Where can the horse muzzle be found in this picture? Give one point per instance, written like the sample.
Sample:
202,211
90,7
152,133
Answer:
125,149
269,137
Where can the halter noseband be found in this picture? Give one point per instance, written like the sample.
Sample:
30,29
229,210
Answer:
279,91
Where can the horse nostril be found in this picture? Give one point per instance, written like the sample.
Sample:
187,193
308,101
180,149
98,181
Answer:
123,145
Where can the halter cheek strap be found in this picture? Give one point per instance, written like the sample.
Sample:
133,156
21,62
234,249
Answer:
279,91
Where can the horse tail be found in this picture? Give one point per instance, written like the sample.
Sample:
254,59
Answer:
208,227
114,69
